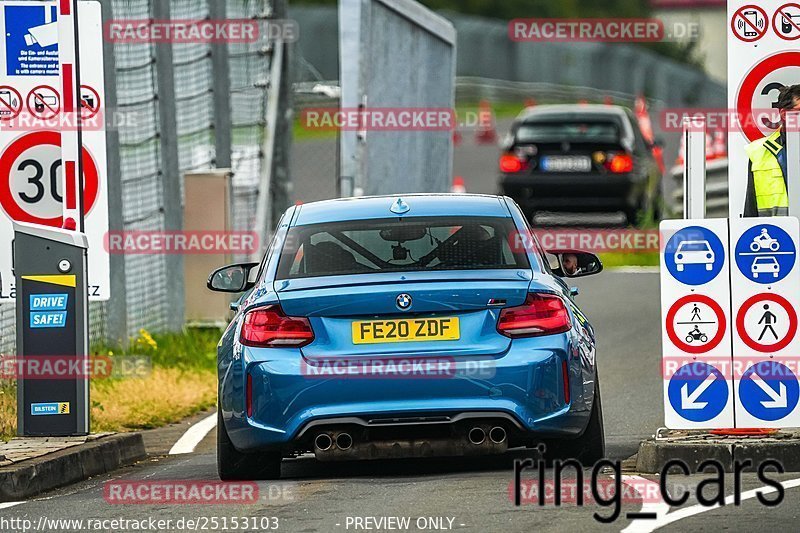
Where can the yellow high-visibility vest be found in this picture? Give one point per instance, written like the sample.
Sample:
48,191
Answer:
768,181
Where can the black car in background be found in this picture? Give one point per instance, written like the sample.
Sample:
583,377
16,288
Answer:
578,159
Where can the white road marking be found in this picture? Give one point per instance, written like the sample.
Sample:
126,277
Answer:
6,505
634,270
196,433
660,508
646,526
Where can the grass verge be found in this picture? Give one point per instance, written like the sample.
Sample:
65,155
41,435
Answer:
179,380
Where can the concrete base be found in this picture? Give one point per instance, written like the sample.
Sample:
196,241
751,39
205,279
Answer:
694,447
70,464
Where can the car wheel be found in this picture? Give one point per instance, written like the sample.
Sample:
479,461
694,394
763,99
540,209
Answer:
590,447
234,465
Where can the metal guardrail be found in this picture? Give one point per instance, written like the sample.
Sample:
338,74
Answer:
716,189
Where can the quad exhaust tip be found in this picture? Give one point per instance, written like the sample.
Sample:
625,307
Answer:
476,435
497,435
344,441
323,442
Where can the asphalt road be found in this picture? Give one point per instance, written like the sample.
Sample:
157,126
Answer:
454,494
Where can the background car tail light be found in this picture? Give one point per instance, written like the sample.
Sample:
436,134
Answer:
269,327
619,163
248,394
541,314
511,163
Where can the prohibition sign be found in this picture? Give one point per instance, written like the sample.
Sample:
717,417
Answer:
754,344
8,168
744,100
750,32
9,110
88,110
785,19
44,102
676,338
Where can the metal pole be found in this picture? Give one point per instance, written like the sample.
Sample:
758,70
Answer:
694,168
264,206
170,168
793,161
217,10
117,318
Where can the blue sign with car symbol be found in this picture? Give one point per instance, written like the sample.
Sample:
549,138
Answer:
694,255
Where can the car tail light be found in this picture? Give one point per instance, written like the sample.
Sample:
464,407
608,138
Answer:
541,314
620,163
269,327
249,396
510,163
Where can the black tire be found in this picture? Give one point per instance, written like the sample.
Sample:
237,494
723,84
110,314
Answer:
590,447
233,465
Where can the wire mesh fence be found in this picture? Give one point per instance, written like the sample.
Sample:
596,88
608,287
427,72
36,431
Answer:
149,279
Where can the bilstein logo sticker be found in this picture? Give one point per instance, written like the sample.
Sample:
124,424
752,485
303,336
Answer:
50,408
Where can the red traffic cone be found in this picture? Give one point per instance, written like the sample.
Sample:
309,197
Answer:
458,185
710,147
530,102
457,138
608,100
682,152
487,128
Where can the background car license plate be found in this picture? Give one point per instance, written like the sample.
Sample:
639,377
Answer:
566,164
406,330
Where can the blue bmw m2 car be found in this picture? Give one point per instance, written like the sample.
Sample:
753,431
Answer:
413,326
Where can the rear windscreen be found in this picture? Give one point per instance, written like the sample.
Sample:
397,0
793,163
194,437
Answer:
392,245
584,132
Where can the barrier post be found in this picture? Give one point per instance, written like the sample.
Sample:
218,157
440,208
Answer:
694,168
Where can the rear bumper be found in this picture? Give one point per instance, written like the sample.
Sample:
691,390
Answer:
522,389
566,192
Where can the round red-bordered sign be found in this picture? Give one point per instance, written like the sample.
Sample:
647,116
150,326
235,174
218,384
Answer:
744,100
743,26
754,344
678,341
12,154
88,111
7,109
44,102
795,26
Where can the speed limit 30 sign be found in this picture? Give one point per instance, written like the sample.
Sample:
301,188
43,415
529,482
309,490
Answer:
757,69
31,167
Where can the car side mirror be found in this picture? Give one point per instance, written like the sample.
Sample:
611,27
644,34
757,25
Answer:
232,278
575,263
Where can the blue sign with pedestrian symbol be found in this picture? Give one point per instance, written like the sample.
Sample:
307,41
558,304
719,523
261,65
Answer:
765,254
769,390
694,255
698,392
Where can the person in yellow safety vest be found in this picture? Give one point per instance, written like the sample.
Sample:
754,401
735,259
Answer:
766,177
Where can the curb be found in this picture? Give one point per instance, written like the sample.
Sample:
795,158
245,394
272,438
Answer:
653,455
34,476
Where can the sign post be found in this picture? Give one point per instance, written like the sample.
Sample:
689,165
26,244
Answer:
35,126
765,292
695,309
762,58
694,168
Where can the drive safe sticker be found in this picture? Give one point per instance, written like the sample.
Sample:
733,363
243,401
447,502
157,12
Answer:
48,310
50,408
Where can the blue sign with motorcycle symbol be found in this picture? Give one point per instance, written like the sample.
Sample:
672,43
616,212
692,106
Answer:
765,254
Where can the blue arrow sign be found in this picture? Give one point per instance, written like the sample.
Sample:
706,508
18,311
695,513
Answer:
698,392
765,254
769,390
694,255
